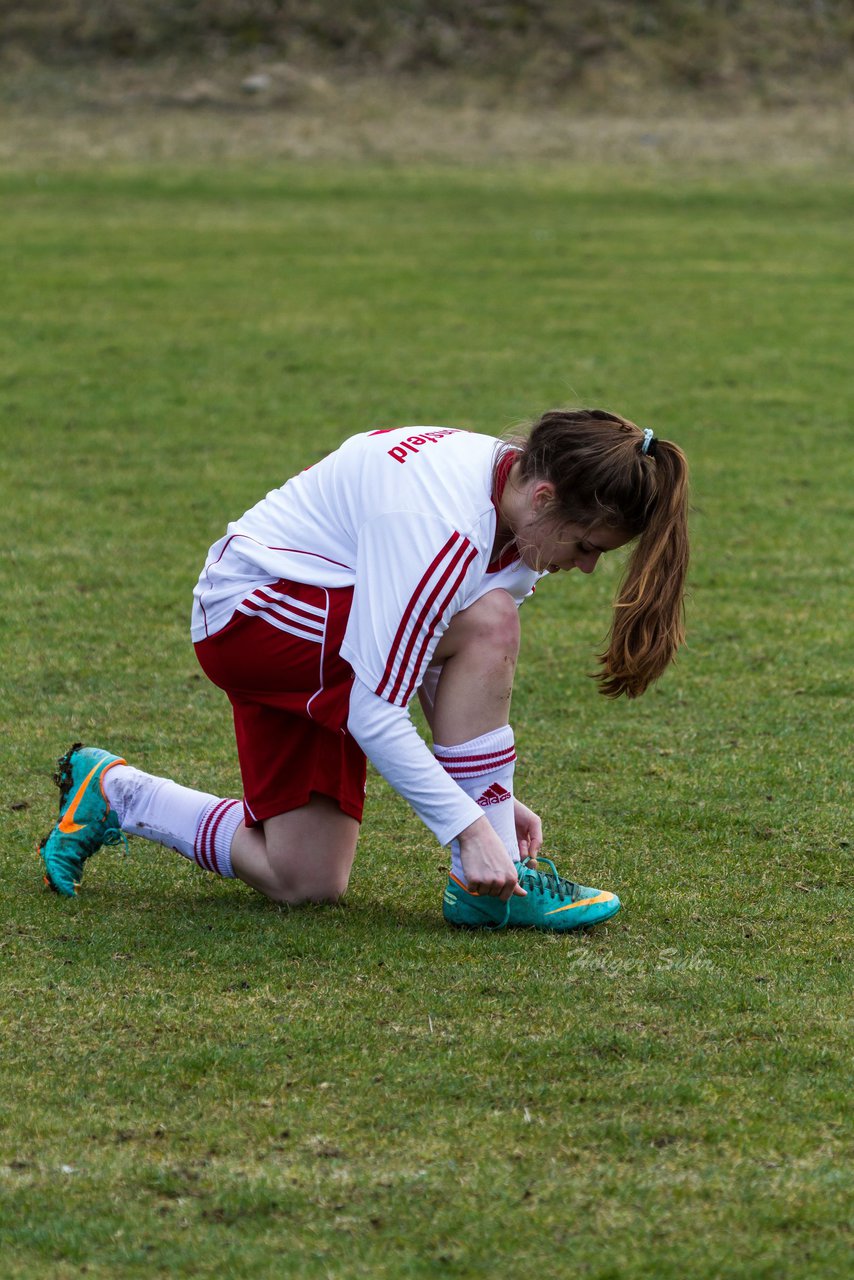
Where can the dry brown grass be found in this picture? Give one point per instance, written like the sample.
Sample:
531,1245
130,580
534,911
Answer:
201,114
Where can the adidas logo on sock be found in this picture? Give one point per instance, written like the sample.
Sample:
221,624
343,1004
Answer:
493,794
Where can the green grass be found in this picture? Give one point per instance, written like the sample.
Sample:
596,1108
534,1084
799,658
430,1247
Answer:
196,1082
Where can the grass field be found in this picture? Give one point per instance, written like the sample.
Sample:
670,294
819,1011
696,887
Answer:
198,1083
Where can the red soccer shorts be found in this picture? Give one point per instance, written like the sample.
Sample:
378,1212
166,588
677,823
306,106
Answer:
279,661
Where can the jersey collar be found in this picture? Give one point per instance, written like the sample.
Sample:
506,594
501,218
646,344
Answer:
509,553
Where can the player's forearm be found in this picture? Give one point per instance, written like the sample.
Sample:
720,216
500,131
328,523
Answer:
394,747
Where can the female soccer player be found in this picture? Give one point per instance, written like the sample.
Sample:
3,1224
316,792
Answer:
394,567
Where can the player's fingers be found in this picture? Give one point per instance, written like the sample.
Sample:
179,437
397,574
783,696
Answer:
493,888
511,888
502,889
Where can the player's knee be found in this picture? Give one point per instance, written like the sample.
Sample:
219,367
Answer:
487,630
300,882
296,894
493,624
317,894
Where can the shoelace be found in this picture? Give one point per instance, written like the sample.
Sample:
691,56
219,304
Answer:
545,881
117,837
535,881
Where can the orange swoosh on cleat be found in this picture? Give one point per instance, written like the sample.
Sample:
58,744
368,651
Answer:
67,825
604,896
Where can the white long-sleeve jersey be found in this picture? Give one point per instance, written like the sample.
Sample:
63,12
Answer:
407,519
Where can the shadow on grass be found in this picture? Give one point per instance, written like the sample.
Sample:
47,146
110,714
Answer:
234,908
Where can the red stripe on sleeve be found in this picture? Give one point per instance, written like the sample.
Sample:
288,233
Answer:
439,613
404,660
389,666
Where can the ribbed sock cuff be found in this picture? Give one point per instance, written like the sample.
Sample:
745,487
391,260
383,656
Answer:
212,846
490,753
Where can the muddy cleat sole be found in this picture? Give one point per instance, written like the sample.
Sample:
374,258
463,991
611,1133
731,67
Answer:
551,903
86,821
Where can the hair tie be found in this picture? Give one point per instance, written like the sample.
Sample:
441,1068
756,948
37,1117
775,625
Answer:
648,445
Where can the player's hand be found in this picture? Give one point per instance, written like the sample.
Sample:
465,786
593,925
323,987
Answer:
529,832
487,865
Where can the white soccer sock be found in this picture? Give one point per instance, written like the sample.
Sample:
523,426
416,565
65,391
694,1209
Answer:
199,826
484,769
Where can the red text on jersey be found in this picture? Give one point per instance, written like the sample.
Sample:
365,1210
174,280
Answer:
412,444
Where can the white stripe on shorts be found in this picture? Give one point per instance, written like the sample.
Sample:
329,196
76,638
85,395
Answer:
266,592
283,620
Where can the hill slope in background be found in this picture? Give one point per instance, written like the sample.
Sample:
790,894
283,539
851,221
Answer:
778,50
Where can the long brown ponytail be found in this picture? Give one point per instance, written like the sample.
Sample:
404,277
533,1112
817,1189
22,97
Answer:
601,475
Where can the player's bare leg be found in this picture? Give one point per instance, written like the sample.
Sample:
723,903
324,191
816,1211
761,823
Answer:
478,655
302,856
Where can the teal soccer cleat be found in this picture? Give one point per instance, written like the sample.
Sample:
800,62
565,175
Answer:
551,903
86,821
